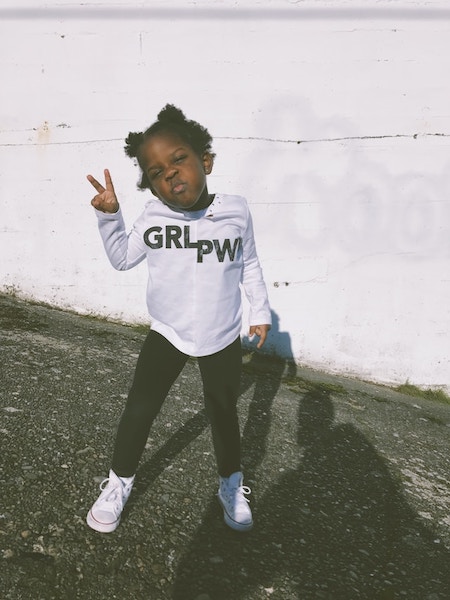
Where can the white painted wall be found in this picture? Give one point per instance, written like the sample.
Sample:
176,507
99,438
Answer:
352,224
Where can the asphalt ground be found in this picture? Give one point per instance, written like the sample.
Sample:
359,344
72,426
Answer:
350,481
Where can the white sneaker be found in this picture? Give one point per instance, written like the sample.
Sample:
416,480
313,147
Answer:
105,513
236,511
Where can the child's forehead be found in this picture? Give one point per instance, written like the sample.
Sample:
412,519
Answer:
163,143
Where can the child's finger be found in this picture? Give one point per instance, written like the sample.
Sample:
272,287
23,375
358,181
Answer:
262,333
98,186
108,180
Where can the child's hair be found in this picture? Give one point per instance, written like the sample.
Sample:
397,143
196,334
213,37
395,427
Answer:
170,120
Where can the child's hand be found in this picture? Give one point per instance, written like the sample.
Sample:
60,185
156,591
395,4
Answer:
261,331
106,199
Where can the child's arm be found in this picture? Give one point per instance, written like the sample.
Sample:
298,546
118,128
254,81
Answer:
124,251
260,317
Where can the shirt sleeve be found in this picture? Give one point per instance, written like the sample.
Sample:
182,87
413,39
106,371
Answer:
252,279
124,250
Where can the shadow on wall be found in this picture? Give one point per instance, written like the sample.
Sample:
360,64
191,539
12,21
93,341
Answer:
363,202
337,527
347,237
278,343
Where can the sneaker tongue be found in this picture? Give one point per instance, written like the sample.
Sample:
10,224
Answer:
235,480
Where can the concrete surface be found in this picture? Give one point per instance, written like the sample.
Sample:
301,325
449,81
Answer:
350,481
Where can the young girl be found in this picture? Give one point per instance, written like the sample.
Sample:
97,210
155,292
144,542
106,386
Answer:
199,249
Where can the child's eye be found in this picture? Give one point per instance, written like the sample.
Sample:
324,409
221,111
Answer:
179,159
154,174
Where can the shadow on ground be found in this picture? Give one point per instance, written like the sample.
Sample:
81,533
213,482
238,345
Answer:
336,527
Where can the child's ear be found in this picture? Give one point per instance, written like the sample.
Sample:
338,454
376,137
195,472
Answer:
208,161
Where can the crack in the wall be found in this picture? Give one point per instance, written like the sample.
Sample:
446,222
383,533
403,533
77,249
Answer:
349,138
66,143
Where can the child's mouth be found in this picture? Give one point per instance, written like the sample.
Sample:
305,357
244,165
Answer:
178,188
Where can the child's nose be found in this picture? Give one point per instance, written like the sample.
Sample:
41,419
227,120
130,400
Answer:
170,173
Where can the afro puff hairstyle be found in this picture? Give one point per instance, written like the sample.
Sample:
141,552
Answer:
170,120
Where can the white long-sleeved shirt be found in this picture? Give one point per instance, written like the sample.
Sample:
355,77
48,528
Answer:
197,262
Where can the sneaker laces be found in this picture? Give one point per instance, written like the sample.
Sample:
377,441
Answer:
238,493
238,504
111,494
241,493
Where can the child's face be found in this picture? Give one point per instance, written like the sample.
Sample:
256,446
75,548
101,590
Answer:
176,173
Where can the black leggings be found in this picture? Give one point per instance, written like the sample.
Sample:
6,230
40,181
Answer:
158,366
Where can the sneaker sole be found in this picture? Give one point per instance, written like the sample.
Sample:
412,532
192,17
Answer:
231,522
101,527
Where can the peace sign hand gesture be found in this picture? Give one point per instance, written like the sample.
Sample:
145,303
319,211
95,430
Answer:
106,199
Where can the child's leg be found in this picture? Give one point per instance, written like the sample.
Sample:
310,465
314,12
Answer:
221,374
158,366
